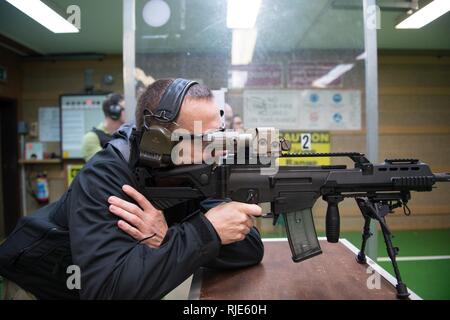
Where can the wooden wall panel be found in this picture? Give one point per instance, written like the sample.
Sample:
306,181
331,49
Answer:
415,95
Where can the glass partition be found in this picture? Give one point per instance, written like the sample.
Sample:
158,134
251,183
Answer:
297,65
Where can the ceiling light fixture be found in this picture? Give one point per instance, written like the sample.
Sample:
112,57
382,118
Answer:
332,75
242,46
242,14
425,15
43,14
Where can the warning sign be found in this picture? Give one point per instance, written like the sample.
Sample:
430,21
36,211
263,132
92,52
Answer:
72,171
307,142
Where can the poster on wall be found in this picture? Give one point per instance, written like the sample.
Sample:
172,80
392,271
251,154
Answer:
271,108
302,74
307,142
331,109
316,110
72,171
49,126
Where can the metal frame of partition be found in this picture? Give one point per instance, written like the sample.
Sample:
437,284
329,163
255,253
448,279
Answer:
371,83
129,56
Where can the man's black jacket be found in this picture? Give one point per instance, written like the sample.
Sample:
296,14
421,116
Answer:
113,265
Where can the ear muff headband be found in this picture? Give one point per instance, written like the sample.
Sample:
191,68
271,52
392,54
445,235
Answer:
172,99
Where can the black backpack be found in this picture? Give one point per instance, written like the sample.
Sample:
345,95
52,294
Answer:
102,136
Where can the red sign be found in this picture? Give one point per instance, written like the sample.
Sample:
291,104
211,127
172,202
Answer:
261,75
302,75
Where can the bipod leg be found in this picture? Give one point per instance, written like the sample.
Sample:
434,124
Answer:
402,291
378,211
361,257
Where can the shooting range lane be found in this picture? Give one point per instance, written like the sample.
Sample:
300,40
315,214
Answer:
335,274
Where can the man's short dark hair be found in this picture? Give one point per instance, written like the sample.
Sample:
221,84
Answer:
150,98
111,99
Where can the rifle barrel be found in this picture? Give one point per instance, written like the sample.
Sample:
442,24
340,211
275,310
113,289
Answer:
442,177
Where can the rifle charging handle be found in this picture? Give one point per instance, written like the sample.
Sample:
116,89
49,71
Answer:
332,220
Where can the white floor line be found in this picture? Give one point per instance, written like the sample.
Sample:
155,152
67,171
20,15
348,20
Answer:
418,258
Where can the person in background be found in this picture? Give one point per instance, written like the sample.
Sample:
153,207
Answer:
98,137
237,123
228,116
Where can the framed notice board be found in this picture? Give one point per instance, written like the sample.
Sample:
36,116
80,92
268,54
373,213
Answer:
79,113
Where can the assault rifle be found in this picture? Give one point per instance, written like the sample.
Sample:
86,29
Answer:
292,191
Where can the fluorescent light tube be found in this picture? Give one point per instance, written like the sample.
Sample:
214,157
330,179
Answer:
332,75
43,14
362,56
425,15
242,14
237,79
242,46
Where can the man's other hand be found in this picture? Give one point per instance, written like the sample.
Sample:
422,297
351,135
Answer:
142,221
233,220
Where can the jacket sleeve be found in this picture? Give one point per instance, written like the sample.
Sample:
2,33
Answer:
112,264
247,252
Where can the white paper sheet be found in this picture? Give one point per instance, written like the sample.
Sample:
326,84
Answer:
49,127
73,129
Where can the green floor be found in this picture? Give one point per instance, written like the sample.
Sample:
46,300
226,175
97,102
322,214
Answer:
428,279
